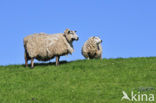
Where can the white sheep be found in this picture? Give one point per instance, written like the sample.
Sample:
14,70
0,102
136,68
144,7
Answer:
92,48
44,47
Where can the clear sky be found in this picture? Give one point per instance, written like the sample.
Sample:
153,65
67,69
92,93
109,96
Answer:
127,27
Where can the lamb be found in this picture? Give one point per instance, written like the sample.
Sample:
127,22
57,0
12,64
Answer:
44,47
92,48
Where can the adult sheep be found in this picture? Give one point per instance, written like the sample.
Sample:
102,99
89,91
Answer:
92,48
44,47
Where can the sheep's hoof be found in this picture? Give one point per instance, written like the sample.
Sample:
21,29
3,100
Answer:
57,64
32,67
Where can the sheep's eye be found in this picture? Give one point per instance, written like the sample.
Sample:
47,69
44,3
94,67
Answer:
69,32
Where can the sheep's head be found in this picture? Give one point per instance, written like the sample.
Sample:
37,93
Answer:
70,35
96,39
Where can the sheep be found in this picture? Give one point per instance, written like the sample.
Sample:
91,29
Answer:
92,48
43,47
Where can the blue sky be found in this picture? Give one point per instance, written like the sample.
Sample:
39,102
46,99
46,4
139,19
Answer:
127,27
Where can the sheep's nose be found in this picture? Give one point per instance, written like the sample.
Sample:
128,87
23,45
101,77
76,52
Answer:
77,38
101,41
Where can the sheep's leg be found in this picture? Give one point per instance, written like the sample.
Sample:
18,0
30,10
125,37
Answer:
101,57
57,60
26,60
32,62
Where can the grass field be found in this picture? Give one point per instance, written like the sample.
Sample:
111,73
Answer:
82,81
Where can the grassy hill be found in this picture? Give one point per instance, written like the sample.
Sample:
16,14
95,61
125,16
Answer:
82,81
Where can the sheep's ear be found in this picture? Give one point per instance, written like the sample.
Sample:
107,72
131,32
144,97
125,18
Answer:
66,31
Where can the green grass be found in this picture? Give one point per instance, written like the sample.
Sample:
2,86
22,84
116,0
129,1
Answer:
82,81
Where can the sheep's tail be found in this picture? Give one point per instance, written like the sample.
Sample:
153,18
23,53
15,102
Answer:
26,55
